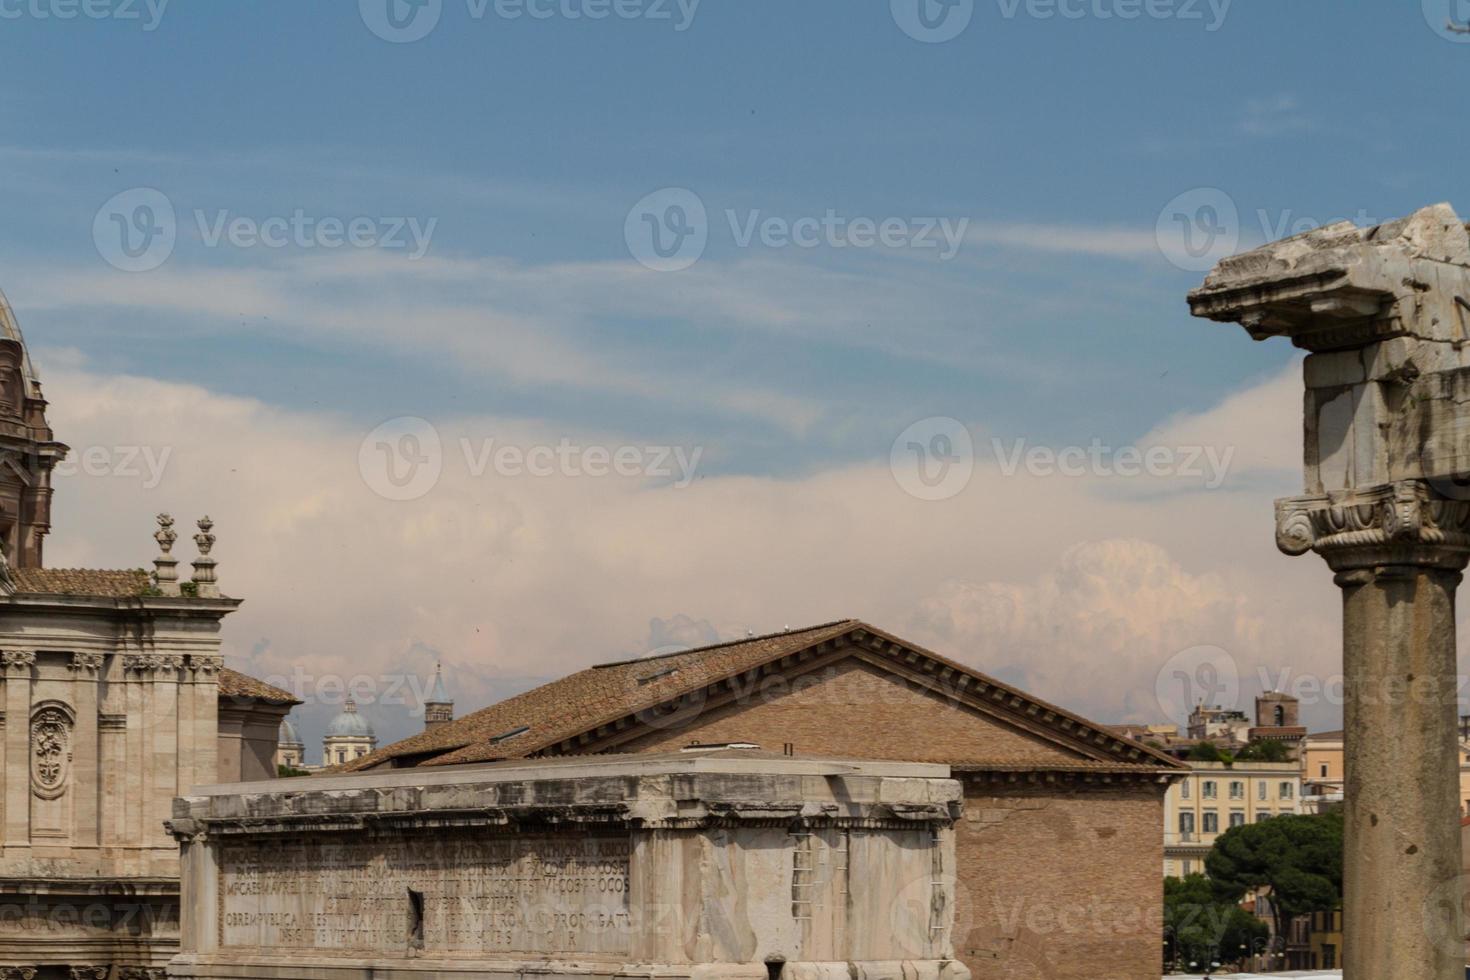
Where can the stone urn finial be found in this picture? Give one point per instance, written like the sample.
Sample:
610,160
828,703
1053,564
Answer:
166,566
205,582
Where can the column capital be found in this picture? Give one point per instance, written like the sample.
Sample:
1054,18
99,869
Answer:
86,664
17,973
1402,523
151,666
90,972
18,661
206,666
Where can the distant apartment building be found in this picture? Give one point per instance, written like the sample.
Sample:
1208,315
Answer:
1215,797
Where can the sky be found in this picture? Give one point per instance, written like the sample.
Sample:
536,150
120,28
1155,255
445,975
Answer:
523,335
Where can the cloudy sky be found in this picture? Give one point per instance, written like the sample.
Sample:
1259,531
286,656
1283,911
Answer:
524,335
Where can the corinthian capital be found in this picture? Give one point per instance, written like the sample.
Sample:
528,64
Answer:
85,664
17,973
18,660
1403,523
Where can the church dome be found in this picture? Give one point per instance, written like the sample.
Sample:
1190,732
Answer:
287,735
10,330
350,724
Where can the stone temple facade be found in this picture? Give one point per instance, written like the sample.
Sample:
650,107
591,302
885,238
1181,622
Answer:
1058,850
113,700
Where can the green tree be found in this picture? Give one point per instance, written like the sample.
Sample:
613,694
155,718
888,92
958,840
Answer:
1208,752
1266,750
1296,859
287,772
1202,927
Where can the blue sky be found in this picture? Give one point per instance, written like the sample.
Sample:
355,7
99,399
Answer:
1060,142
530,140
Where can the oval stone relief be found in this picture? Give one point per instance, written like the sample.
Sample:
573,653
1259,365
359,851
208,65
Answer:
50,752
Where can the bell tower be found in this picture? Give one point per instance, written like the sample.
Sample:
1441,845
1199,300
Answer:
28,450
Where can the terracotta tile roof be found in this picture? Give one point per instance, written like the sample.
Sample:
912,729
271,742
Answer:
568,707
582,702
81,581
233,684
1079,765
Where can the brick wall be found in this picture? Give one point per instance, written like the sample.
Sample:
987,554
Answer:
854,709
1061,883
1056,883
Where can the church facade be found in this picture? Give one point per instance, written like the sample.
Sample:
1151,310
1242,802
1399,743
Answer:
114,699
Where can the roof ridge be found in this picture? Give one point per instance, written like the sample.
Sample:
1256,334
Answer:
722,644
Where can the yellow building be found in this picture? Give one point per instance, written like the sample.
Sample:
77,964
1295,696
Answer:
1215,797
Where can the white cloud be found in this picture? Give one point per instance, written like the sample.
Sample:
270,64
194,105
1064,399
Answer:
1078,593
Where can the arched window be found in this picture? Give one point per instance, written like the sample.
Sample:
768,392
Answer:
1280,716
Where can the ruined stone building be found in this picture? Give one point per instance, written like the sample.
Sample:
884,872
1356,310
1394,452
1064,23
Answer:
113,700
1058,847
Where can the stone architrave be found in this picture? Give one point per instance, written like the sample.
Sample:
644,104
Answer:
712,865
1385,315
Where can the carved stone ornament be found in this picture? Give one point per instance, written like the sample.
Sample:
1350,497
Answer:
18,660
1404,523
51,728
90,972
17,973
206,665
144,663
86,662
142,973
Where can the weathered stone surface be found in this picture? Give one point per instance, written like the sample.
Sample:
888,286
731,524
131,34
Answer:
1387,447
702,864
1384,311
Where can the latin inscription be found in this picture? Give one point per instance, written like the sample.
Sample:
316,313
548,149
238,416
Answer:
519,895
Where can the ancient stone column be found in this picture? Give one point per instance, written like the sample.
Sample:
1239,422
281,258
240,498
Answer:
1387,504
